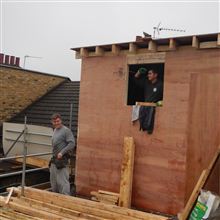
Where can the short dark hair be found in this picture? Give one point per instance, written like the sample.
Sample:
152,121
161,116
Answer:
55,116
153,70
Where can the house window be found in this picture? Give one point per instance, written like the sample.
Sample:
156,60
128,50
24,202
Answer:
135,92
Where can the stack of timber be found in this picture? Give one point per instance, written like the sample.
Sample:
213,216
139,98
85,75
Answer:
105,197
39,204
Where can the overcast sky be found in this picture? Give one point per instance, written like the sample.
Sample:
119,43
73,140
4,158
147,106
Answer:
48,29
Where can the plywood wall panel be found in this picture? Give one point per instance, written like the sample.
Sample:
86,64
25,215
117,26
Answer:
160,165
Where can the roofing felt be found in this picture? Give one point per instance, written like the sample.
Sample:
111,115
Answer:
182,40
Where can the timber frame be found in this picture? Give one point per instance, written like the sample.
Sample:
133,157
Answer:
146,45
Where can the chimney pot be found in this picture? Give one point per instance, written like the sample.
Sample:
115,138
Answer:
1,58
6,60
17,61
12,60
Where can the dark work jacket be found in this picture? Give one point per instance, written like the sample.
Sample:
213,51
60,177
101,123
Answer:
153,92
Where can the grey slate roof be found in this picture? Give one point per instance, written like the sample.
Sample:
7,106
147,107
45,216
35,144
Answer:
58,100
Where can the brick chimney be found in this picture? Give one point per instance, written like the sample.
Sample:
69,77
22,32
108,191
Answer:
9,60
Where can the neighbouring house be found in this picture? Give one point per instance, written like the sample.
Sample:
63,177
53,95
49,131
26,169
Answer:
35,94
168,162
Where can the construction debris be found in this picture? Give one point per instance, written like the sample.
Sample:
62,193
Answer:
105,197
39,204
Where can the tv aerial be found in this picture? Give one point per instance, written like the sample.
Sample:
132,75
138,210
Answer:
158,29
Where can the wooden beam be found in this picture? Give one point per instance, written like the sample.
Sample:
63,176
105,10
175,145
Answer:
85,205
84,52
195,42
172,44
115,49
127,173
200,184
34,161
207,45
152,46
99,51
132,48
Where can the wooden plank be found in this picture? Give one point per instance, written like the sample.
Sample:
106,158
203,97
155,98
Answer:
29,211
146,58
34,161
110,198
108,193
127,173
64,213
9,196
16,215
146,104
207,45
201,182
86,206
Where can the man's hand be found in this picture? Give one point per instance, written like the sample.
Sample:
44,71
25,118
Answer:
137,74
59,155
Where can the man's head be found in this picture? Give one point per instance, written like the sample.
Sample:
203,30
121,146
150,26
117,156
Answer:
56,120
152,75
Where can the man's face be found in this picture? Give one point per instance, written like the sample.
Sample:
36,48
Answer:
57,123
151,76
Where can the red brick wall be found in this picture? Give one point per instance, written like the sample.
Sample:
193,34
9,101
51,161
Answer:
20,88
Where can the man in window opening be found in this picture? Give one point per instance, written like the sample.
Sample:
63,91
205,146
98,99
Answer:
153,92
153,87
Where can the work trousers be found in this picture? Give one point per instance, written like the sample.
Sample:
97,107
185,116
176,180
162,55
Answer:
59,179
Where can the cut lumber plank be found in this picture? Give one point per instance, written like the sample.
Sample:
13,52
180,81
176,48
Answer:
201,182
29,211
17,215
86,205
63,211
34,161
207,45
127,173
108,193
9,195
44,207
146,103
104,196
